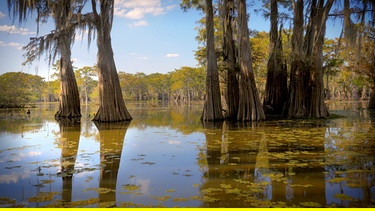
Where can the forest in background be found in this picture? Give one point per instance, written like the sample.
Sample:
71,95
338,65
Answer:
286,72
341,80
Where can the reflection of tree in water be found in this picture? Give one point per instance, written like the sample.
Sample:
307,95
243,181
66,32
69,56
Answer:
225,163
70,130
184,118
88,129
350,158
111,137
261,165
262,169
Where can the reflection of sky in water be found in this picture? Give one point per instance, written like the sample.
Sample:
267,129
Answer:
166,162
162,161
156,159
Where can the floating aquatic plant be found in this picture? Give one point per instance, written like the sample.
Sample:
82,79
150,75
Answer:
43,197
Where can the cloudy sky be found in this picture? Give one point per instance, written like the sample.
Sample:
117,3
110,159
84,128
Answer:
147,36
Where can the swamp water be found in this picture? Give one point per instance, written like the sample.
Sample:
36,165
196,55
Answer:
165,157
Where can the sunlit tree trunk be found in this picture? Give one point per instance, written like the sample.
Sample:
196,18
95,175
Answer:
232,94
250,107
111,106
318,107
69,103
298,73
276,84
212,109
306,97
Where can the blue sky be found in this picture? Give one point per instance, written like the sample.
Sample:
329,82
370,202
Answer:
147,36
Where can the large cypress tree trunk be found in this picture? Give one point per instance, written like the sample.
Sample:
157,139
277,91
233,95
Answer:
69,104
371,104
318,108
212,109
298,73
250,107
111,106
276,84
232,94
306,97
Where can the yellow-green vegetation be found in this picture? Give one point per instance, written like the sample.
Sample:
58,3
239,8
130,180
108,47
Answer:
130,189
99,190
310,204
43,197
344,197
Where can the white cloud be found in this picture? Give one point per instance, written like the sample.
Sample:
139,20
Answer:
170,7
139,23
137,3
170,55
2,15
74,59
15,30
135,9
11,44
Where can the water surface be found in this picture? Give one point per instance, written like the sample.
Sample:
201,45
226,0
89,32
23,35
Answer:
166,157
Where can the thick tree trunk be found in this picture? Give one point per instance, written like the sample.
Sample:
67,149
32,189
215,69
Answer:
306,97
318,108
371,104
296,106
232,94
111,106
276,84
250,107
212,110
69,104
316,87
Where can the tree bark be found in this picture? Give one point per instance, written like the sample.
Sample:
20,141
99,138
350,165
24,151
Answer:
276,84
111,106
212,110
306,98
318,108
371,104
250,107
232,94
69,103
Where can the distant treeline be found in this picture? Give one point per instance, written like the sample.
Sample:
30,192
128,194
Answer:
342,80
186,83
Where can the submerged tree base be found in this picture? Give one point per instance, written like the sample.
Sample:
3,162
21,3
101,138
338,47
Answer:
59,115
117,116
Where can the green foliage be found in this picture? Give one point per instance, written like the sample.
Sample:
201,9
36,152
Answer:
85,81
189,4
186,83
348,71
20,88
